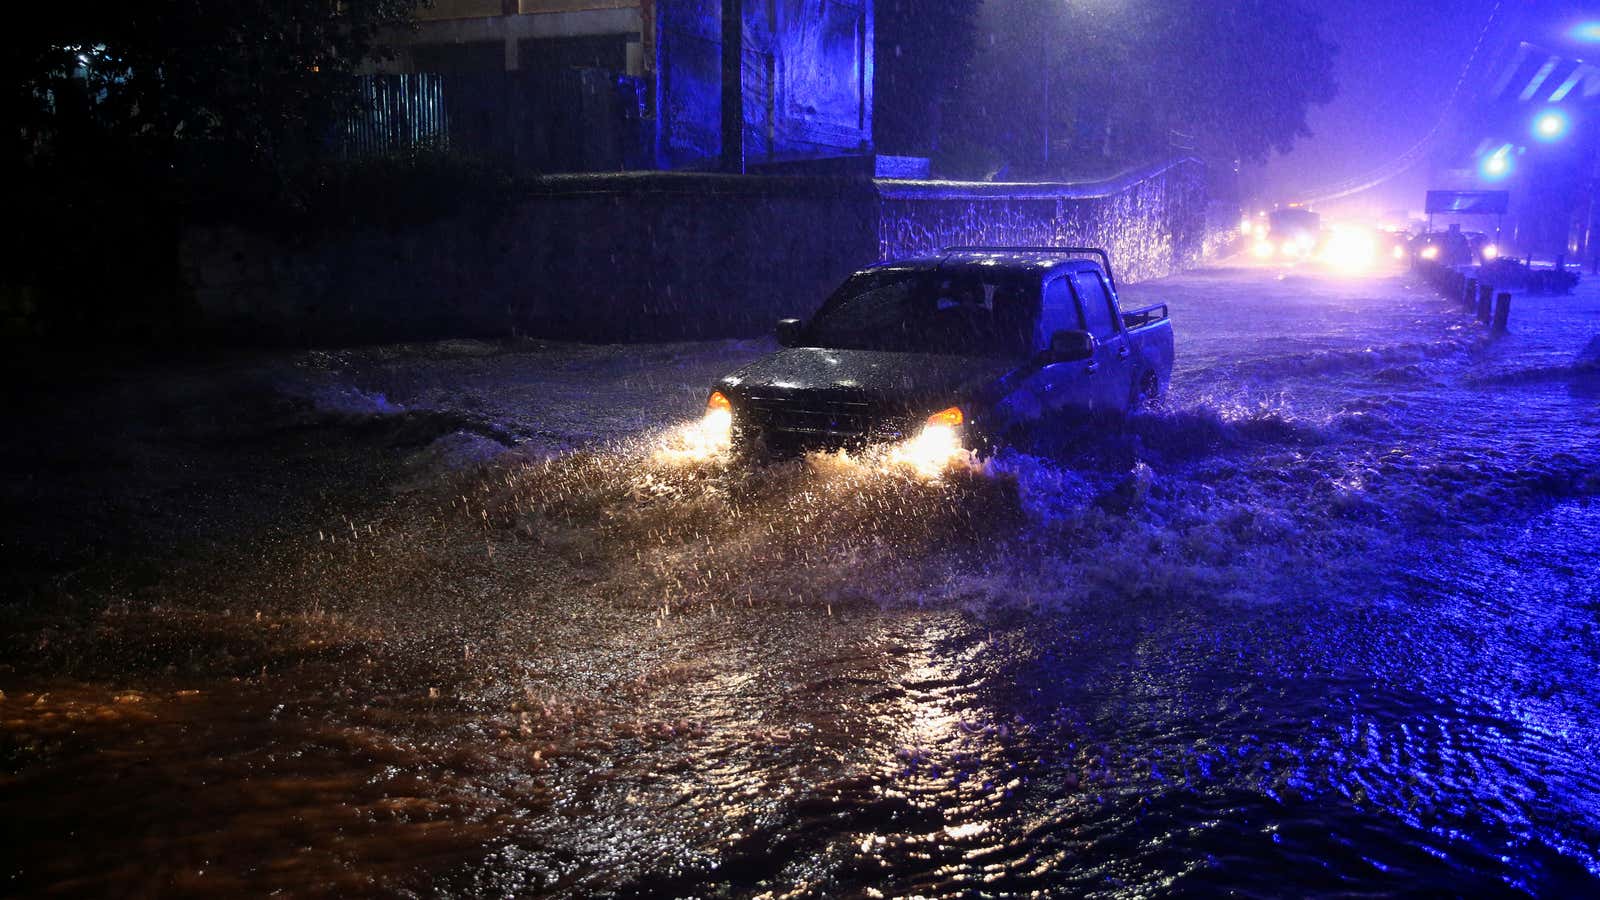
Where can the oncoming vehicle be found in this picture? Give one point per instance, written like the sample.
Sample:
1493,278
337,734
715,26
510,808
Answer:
1292,233
968,348
1394,244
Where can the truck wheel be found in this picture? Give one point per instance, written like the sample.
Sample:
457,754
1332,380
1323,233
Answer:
1148,394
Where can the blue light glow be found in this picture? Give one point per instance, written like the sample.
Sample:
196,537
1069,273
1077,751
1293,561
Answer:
1588,32
1551,125
1497,165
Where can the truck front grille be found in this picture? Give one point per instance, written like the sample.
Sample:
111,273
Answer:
838,419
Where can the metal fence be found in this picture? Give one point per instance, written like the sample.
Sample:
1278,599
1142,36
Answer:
569,120
395,114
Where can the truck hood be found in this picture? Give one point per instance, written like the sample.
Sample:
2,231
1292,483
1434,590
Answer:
906,382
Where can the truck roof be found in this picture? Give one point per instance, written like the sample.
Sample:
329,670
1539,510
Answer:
1022,260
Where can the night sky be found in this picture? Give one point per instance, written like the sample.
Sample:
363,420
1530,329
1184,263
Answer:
1397,63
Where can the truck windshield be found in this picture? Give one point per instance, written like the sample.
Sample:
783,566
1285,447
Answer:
929,312
1291,220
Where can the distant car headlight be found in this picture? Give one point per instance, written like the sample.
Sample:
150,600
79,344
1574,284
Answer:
1490,251
1430,252
1350,252
1262,249
1399,253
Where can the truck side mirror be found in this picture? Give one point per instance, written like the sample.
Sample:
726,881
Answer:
789,332
1070,346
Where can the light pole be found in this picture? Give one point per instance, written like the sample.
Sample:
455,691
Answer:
733,86
1044,108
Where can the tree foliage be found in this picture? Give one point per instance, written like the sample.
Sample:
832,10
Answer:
1239,75
121,117
253,77
923,48
1107,83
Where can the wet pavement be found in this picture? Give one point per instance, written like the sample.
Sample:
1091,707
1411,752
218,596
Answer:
466,618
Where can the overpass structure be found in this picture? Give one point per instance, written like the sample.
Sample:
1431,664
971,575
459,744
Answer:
1537,133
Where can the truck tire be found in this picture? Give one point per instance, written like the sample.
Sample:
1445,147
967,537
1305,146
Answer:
1147,393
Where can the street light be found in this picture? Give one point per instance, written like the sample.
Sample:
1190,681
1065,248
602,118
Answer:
1586,32
1551,125
1497,165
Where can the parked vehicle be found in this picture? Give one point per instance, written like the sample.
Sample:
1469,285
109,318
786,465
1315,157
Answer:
971,347
1454,247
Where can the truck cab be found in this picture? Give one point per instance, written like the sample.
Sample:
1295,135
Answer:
1294,233
986,343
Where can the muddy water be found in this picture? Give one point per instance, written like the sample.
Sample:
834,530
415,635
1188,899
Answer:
1323,625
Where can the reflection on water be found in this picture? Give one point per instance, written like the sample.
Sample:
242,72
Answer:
1325,624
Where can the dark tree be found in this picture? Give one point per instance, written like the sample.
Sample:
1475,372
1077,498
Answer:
922,48
1087,87
120,117
1239,75
250,75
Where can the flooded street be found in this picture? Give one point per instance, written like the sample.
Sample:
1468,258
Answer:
472,619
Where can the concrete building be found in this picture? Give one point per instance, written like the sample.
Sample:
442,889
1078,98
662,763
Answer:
647,75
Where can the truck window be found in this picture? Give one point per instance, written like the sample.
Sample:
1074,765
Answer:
1098,310
1060,312
974,313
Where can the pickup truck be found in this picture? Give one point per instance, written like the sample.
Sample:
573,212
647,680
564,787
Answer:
972,347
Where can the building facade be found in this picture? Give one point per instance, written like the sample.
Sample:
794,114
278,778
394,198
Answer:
596,85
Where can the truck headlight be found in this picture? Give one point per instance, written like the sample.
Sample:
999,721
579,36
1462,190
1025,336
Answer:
703,439
716,427
936,444
1490,251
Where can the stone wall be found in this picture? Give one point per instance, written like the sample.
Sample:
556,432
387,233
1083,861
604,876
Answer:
631,257
1152,221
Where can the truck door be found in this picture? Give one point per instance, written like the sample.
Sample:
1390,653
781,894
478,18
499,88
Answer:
1112,380
1069,386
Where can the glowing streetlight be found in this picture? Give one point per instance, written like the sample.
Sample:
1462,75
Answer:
1497,165
1551,125
1587,32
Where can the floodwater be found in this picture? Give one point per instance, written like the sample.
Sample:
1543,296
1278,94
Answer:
1323,625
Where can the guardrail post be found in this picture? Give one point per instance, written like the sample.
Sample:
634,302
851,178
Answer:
1502,313
1485,302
